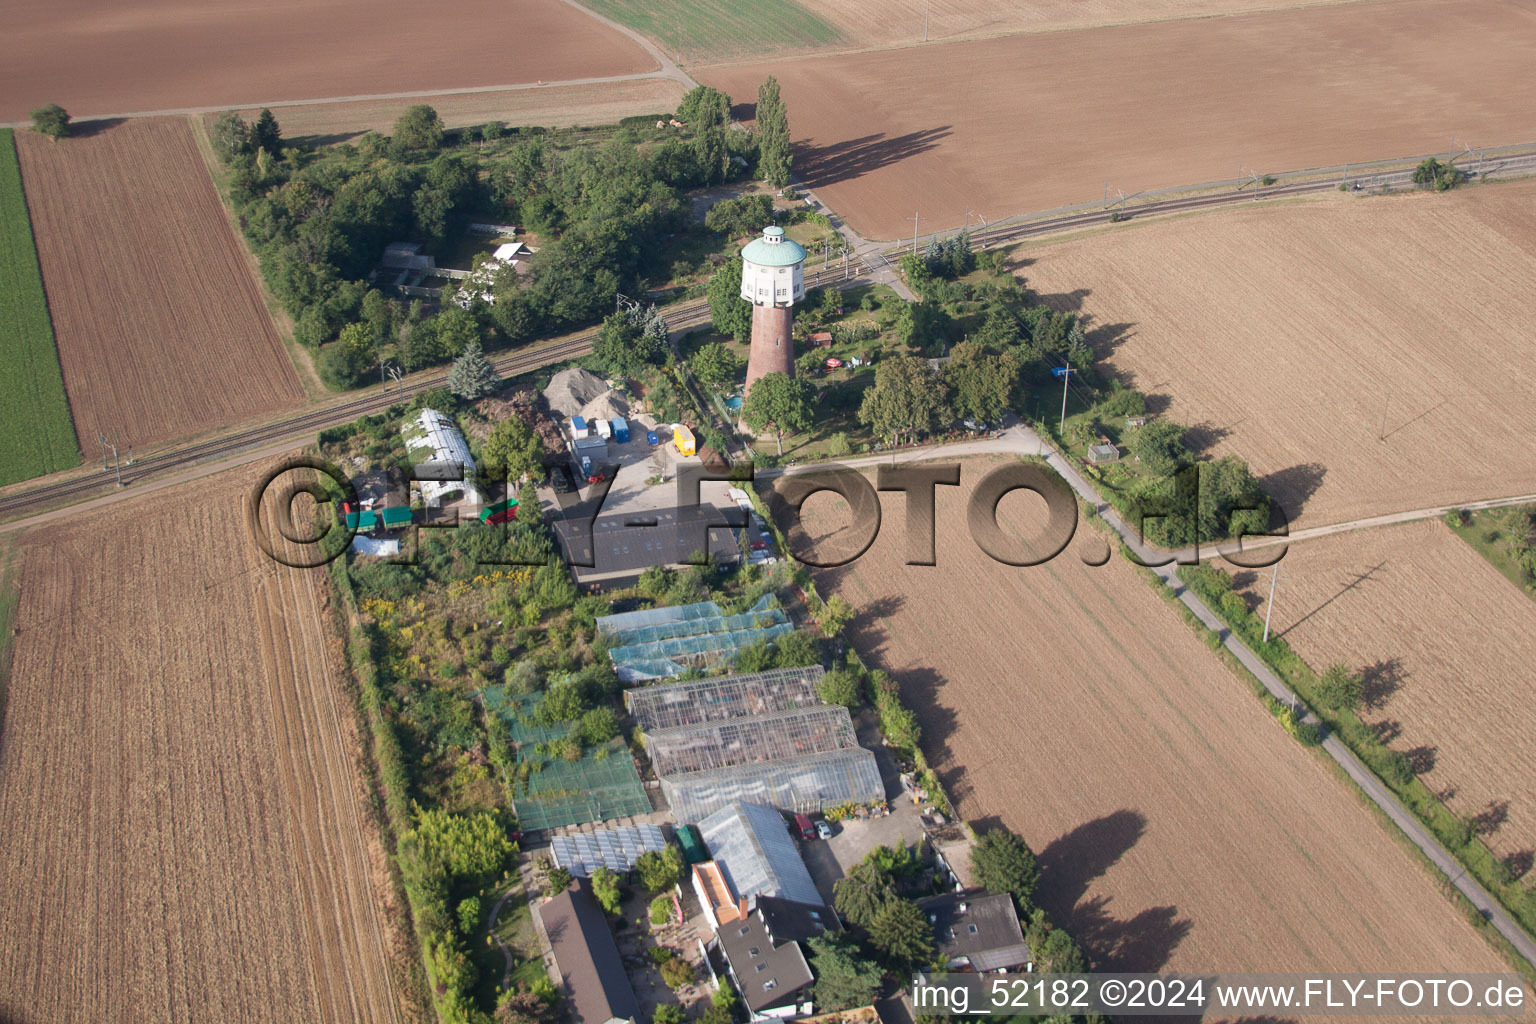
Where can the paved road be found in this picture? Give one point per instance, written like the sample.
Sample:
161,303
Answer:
1021,440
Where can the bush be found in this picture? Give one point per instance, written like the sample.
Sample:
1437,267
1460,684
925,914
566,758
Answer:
669,1013
1340,689
661,910
840,687
676,972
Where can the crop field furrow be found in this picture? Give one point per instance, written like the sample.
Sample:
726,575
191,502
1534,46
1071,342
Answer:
162,330
186,838
1177,825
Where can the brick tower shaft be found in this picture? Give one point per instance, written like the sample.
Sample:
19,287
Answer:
773,342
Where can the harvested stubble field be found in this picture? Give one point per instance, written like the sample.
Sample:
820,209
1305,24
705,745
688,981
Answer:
900,22
98,58
1365,355
1033,122
552,107
186,836
1178,826
1446,645
161,327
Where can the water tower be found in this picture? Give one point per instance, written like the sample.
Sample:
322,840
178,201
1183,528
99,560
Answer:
773,280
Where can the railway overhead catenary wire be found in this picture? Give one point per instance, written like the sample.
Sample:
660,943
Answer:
46,496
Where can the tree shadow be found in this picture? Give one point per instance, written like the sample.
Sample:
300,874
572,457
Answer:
86,129
1491,818
1379,682
1422,759
1068,867
1064,302
744,111
1203,436
850,159
1105,339
1519,863
1387,730
1292,488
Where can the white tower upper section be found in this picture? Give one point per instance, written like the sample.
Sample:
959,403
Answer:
773,270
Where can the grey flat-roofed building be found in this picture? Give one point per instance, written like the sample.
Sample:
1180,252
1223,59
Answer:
756,854
977,930
805,785
669,705
617,548
596,987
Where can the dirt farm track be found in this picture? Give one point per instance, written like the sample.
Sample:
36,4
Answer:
1177,825
185,836
1366,355
1033,122
98,58
161,327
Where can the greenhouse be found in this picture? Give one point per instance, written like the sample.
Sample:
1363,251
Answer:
669,705
735,741
616,849
759,855
657,643
801,784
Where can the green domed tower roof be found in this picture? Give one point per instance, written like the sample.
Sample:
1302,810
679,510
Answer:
773,250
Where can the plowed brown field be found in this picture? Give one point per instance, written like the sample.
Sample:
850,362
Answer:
99,58
1446,645
185,833
1365,356
1033,122
1177,824
161,328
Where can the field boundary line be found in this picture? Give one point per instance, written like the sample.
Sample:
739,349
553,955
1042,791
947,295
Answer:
360,98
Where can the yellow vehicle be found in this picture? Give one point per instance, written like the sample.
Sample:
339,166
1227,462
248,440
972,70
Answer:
683,438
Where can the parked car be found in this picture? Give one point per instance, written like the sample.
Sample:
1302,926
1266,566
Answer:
824,830
803,827
651,439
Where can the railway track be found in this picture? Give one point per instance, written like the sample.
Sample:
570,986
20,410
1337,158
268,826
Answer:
1004,234
37,499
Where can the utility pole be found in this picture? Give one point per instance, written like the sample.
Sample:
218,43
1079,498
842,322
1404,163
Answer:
915,219
1274,577
926,5
1066,376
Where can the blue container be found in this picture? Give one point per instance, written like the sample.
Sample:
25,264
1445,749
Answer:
620,430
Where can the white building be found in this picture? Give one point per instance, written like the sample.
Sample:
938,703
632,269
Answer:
438,448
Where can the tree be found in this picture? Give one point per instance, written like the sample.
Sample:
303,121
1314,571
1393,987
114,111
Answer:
469,915
521,1006
839,687
1160,447
744,215
661,910
512,450
859,895
265,133
716,365
419,129
906,399
605,886
1003,862
729,313
845,978
669,1013
834,615
660,870
778,402
1230,499
703,106
596,727
1340,689
676,972
1053,949
1437,175
982,382
774,157
557,881
52,121
626,347
472,375
230,135
900,930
